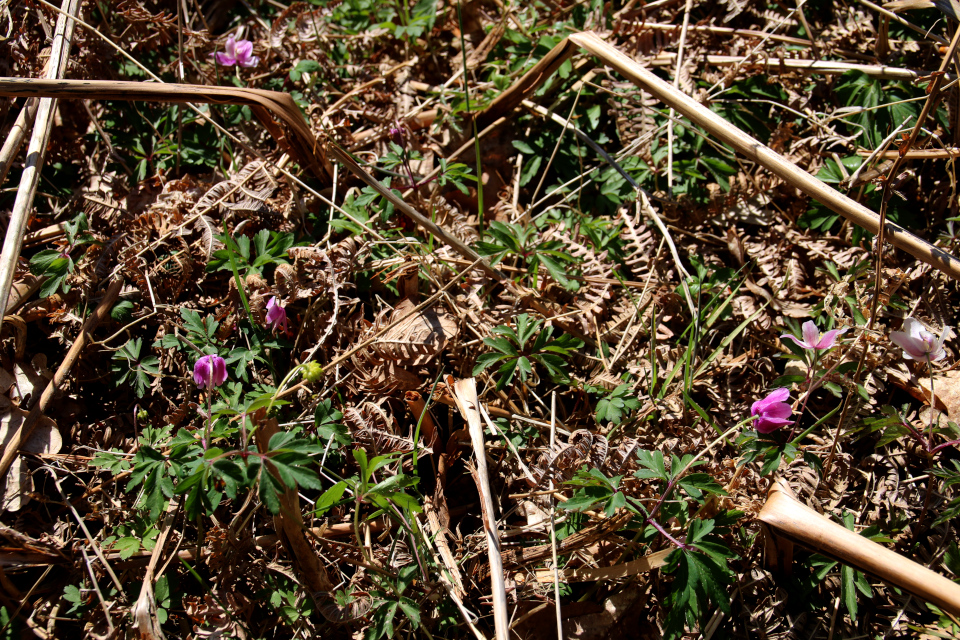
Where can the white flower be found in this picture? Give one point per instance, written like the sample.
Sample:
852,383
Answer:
918,343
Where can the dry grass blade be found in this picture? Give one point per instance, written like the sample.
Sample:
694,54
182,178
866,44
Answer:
465,394
616,572
302,145
145,609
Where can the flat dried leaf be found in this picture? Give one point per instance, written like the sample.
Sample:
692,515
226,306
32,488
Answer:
44,439
417,338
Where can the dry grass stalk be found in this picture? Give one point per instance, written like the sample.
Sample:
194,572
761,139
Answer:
35,153
786,517
807,66
302,144
616,572
765,156
439,533
465,394
144,611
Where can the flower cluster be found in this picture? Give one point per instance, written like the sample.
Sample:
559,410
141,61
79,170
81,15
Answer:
918,343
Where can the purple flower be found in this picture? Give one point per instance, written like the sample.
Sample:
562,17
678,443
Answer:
210,372
276,315
918,343
237,52
772,412
396,134
813,340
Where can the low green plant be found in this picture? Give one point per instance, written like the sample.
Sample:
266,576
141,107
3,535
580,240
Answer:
518,349
698,563
57,265
267,249
617,404
524,242
130,367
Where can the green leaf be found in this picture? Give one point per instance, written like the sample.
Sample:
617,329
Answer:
848,591
127,547
410,609
523,147
585,498
502,345
484,360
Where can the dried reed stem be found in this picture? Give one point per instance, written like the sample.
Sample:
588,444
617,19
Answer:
35,152
465,394
765,156
784,516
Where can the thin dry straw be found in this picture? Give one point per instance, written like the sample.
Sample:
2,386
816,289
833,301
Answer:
465,395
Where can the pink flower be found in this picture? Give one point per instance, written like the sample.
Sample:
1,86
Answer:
813,340
210,372
237,52
772,412
276,315
918,343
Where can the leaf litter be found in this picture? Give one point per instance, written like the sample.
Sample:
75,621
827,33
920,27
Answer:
330,484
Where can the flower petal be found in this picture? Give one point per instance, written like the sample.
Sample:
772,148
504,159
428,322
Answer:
830,338
800,343
780,410
811,335
913,347
769,425
912,327
778,395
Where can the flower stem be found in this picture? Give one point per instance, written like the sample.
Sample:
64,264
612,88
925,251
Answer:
656,525
206,428
929,443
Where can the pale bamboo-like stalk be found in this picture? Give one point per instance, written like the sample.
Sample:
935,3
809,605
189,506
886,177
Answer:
11,146
764,155
788,519
465,394
59,53
826,67
553,518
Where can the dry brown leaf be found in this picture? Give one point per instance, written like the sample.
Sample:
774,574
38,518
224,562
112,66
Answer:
418,338
44,439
